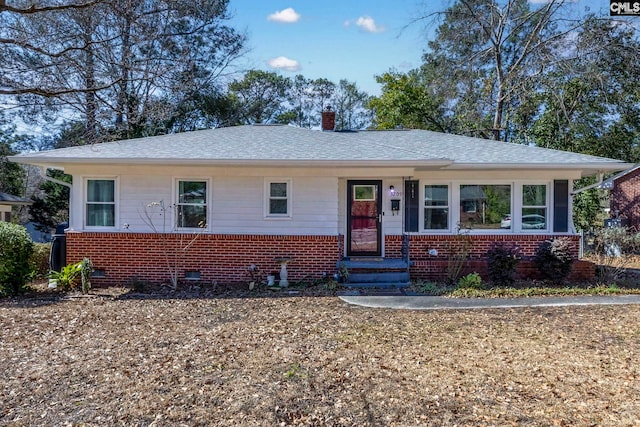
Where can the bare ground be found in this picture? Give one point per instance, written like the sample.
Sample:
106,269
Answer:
304,360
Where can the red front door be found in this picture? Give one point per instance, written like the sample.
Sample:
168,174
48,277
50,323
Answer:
364,218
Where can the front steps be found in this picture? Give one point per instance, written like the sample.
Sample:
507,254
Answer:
379,273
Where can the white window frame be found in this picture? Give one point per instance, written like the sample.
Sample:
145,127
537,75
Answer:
521,206
456,214
422,185
267,198
116,198
516,206
176,199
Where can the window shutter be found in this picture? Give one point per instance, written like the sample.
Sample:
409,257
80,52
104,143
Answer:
411,206
561,206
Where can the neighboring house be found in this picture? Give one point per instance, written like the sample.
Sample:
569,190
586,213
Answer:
624,197
254,194
8,201
37,235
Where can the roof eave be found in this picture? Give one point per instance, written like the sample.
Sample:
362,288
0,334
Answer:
592,167
60,163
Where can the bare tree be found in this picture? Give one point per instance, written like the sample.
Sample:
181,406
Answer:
491,50
120,64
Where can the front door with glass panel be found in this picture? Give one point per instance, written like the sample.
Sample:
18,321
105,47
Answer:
364,218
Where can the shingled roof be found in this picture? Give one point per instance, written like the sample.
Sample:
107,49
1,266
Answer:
292,146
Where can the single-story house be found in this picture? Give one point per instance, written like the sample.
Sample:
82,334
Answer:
8,201
229,198
624,197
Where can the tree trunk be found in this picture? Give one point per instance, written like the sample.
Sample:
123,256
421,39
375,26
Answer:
90,101
122,103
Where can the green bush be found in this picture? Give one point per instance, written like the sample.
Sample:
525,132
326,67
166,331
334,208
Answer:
15,252
502,260
67,278
72,275
40,260
470,281
553,259
428,288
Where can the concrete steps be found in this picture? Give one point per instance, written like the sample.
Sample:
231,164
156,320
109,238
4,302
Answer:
379,273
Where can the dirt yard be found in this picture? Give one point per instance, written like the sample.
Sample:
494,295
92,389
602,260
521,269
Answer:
313,361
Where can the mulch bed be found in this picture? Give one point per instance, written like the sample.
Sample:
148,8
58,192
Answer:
231,357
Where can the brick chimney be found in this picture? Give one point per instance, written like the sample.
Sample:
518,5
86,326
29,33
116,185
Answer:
328,119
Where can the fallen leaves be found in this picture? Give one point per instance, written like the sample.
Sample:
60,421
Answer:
314,361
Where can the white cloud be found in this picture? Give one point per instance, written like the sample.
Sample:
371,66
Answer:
368,24
284,63
285,16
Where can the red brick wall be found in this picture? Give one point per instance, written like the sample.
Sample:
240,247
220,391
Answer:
625,198
221,258
430,267
226,258
421,244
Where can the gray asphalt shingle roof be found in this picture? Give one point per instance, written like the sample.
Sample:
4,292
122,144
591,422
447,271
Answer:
291,145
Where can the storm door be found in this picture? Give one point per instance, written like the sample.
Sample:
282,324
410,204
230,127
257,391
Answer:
364,218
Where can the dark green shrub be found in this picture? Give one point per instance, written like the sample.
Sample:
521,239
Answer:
40,260
470,281
502,260
15,252
553,259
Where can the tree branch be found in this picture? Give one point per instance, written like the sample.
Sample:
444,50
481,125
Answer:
4,7
51,93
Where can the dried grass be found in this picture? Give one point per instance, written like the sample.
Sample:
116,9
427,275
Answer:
267,361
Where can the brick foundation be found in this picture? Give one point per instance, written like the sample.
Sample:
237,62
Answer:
430,267
226,258
218,258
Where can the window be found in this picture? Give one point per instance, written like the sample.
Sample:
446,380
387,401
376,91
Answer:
192,204
278,198
436,207
534,207
364,193
485,207
100,203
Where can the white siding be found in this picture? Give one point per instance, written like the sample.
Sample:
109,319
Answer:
392,224
342,206
238,207
237,194
136,193
236,203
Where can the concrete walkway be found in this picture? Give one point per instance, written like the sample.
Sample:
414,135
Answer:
442,303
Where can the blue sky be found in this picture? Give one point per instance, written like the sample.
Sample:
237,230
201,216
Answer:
336,39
